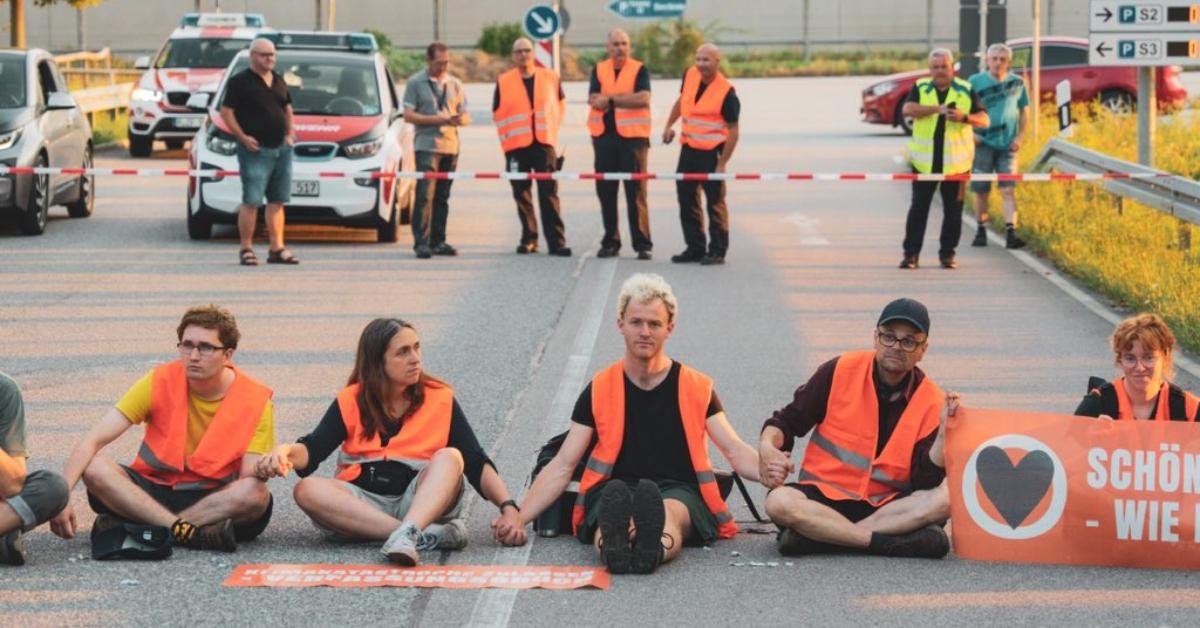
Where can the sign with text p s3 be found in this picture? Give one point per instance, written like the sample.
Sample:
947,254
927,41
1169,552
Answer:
542,22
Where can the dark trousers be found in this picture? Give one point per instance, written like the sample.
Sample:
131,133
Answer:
691,216
918,216
537,158
618,155
429,227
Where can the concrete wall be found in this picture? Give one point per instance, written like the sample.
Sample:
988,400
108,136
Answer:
131,26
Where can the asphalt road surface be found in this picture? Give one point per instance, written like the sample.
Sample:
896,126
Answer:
89,307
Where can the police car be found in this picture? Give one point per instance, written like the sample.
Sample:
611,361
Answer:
348,119
193,59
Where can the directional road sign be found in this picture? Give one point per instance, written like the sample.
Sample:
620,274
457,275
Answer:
1124,16
1144,49
647,9
541,22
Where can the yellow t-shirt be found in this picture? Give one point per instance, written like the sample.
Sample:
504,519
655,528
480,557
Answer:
135,405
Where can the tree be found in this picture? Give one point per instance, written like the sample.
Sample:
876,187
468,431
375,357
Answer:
17,16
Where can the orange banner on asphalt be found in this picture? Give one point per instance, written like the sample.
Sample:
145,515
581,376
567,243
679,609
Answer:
432,576
1045,488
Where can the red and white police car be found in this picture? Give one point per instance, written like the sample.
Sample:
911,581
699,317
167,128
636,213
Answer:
193,59
348,119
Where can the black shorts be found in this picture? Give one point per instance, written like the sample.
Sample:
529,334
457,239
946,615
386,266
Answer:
851,509
179,501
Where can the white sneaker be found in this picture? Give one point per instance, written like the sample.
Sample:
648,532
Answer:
451,535
401,546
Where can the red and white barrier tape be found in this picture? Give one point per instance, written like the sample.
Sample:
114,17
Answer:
614,176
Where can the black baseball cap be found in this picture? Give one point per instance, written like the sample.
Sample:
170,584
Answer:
908,310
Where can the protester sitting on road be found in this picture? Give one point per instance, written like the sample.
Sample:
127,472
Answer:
872,479
1142,345
27,500
651,418
206,424
405,446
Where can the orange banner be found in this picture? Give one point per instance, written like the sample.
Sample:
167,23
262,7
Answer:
433,576
1045,488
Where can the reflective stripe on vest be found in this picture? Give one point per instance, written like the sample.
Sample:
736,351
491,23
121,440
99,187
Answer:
518,122
608,409
1162,411
704,128
958,145
217,459
840,459
424,432
631,123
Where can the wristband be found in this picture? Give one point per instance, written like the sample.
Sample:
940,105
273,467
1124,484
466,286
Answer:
509,502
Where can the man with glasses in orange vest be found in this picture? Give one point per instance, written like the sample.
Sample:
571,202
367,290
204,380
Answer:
873,478
710,110
649,486
619,122
192,483
527,109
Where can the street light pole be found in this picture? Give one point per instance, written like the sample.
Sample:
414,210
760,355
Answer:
1036,76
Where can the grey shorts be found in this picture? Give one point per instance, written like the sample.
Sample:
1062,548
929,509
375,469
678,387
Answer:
990,160
44,495
266,173
394,505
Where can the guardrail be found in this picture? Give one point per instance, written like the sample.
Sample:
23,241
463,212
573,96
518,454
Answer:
1175,195
86,68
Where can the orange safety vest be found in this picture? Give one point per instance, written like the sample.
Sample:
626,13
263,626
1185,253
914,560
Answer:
840,459
704,128
517,121
608,408
424,432
1163,411
631,123
218,457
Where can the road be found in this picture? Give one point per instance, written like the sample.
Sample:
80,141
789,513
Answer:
90,306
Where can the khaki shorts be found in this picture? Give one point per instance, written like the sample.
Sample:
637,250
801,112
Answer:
394,505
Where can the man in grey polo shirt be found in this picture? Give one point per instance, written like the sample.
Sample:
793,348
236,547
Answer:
435,104
27,500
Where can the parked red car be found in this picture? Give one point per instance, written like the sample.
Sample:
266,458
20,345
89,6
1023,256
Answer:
1062,58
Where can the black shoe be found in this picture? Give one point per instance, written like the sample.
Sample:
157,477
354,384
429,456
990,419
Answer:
217,536
423,252
562,251
645,256
712,260
526,248
792,543
928,542
1011,240
12,548
948,262
445,249
687,257
909,262
980,237
616,507
607,251
649,517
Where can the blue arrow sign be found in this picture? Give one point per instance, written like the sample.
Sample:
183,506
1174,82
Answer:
542,22
648,9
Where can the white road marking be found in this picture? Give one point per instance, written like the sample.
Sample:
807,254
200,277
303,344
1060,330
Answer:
809,228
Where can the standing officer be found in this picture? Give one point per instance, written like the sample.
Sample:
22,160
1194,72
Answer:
710,109
619,122
944,111
527,109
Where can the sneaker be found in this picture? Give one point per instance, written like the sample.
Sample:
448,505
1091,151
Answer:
687,257
423,252
712,260
401,546
1011,241
649,517
607,251
616,508
948,262
12,548
444,249
909,262
217,537
562,251
928,542
645,256
980,237
451,535
526,248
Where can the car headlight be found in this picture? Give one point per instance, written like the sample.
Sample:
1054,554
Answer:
141,93
221,145
9,139
363,149
883,88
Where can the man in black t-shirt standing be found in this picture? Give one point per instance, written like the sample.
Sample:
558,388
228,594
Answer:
651,418
257,109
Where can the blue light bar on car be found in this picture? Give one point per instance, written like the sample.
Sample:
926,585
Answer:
310,40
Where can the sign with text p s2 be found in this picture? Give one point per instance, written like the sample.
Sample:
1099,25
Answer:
542,22
1041,488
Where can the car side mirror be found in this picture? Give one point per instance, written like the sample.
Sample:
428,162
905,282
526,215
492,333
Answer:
61,100
198,102
142,63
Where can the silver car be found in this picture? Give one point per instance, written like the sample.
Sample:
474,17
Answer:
41,125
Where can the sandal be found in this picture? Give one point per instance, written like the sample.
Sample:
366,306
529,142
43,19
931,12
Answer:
282,256
247,257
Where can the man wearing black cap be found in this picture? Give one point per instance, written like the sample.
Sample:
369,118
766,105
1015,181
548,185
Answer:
872,478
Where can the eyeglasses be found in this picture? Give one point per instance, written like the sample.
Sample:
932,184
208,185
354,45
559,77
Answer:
263,54
907,343
522,50
1130,361
205,349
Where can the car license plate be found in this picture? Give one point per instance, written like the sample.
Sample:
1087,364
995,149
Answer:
189,123
306,188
